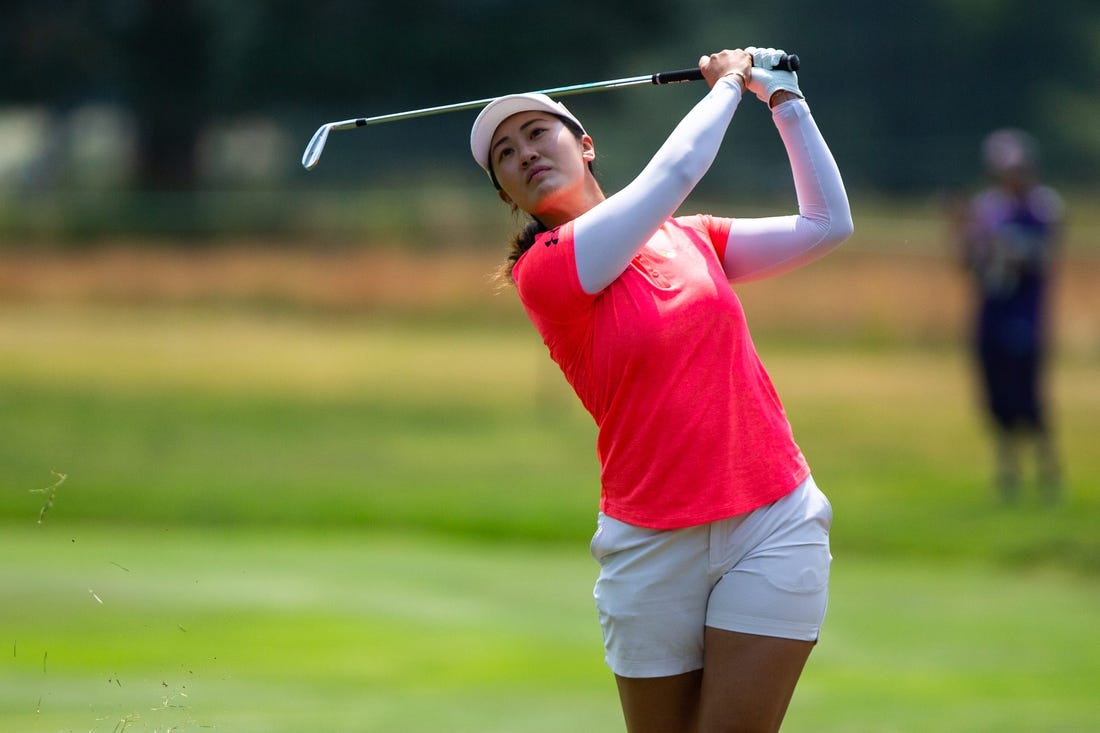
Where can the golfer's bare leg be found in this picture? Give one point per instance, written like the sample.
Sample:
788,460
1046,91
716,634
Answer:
661,704
748,681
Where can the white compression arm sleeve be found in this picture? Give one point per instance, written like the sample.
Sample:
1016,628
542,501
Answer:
759,248
608,236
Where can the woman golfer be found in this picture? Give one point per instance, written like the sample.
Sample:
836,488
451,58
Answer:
712,538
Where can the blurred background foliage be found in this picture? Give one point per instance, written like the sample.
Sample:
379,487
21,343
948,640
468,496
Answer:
190,117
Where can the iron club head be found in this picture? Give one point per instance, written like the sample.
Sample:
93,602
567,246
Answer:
316,145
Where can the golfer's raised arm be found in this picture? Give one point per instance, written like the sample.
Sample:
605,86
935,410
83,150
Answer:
609,235
763,247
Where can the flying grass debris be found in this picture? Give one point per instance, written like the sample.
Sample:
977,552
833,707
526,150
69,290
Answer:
126,721
170,700
51,494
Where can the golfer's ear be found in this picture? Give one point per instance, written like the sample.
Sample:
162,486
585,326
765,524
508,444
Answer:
506,199
588,149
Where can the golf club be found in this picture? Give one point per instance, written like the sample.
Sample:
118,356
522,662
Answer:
312,155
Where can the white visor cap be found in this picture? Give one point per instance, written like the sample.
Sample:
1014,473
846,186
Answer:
500,109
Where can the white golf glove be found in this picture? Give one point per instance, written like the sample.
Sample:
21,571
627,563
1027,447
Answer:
767,80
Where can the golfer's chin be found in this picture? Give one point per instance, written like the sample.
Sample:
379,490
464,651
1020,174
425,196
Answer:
550,204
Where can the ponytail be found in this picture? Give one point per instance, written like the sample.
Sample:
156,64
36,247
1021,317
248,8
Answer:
520,243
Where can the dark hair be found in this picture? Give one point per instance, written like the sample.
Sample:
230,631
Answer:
526,236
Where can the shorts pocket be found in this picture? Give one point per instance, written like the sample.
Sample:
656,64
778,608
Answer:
608,537
799,560
804,569
595,546
613,536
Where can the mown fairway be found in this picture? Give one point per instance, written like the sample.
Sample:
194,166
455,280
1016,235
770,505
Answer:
286,519
269,631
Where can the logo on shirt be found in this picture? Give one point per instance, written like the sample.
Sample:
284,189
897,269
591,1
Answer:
553,238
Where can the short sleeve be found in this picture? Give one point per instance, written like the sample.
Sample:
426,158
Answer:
546,277
714,229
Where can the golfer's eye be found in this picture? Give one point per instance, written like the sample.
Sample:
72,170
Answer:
503,153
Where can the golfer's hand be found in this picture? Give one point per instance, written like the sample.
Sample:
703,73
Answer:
726,63
772,86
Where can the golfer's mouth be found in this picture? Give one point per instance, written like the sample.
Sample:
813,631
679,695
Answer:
531,174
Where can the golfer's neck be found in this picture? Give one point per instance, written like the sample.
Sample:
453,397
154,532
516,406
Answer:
566,211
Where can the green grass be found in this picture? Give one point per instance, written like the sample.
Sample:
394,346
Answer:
280,521
356,631
230,418
285,631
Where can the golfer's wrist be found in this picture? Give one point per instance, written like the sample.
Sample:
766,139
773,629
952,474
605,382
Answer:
737,78
781,96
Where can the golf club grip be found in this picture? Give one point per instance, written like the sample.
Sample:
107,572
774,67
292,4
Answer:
787,62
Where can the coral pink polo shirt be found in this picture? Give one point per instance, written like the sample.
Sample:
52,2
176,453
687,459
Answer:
690,427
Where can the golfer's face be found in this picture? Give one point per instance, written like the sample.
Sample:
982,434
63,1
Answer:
538,161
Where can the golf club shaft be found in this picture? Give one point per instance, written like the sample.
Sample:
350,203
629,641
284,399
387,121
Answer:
316,144
659,78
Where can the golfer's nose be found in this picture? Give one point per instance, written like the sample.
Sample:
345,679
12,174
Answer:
527,155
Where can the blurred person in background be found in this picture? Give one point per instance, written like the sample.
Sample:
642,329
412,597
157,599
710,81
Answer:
1008,237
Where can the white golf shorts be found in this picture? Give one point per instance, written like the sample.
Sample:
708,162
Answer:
765,573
